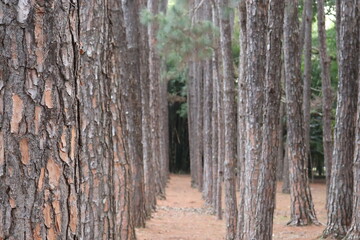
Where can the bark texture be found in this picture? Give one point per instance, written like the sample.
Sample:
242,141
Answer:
302,208
307,73
341,180
326,93
241,116
64,172
354,230
229,120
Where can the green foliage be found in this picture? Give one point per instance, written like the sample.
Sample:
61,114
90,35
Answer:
179,36
180,39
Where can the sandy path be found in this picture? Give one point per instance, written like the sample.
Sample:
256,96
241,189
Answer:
183,215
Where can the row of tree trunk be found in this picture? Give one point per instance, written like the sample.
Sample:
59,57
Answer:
244,143
83,119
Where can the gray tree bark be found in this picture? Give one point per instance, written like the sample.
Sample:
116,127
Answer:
302,208
326,93
229,120
307,73
241,115
132,105
341,180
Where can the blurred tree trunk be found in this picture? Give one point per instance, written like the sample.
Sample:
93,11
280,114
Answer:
164,116
354,230
149,178
286,173
229,109
207,110
241,116
154,101
326,93
341,180
302,208
280,158
307,75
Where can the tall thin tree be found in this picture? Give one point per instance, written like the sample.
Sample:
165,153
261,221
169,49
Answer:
302,208
229,119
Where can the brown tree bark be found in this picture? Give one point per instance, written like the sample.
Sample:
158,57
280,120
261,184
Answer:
302,208
256,13
149,180
207,110
229,120
270,148
241,116
341,180
132,105
286,172
207,106
308,14
260,163
354,230
154,100
326,93
60,162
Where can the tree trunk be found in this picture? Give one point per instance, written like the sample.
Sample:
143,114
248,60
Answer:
229,120
207,105
302,208
307,74
241,116
207,109
149,180
270,148
341,180
60,164
132,105
326,94
191,102
354,230
256,13
154,99
262,124
280,158
286,172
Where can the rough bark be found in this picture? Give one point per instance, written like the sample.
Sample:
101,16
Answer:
341,180
354,230
133,108
267,180
154,100
229,120
59,161
302,208
326,93
260,163
241,116
307,73
149,180
118,71
256,13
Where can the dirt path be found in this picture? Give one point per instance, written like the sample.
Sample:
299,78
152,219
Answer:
183,216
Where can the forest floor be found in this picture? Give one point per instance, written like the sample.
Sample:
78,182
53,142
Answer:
183,215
